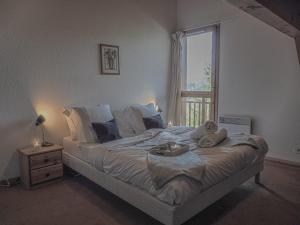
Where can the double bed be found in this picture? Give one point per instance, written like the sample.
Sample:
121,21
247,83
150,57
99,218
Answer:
127,169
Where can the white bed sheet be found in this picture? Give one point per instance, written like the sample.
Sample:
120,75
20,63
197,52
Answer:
85,151
130,166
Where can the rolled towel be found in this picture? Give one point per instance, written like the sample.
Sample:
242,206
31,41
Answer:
207,128
211,140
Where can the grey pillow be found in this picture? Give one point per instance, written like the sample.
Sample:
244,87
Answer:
153,122
107,131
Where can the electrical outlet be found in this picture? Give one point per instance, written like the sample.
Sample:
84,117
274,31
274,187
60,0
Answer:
10,182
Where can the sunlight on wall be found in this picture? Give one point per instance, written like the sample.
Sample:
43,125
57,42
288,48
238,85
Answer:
151,100
47,112
55,124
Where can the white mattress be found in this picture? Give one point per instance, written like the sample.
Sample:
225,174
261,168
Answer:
130,166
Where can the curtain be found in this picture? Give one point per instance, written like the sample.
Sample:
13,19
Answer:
174,103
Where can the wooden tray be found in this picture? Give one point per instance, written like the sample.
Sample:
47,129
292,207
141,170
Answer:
169,149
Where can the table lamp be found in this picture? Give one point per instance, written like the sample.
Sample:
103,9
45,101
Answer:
39,122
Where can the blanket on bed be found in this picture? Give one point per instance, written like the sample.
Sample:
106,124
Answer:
162,169
254,141
127,160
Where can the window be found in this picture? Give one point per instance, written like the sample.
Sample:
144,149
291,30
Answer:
199,95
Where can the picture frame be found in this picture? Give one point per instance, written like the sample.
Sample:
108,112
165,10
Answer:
109,59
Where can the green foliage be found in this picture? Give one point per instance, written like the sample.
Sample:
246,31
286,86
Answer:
203,84
207,74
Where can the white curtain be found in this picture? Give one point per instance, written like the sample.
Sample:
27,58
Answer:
174,103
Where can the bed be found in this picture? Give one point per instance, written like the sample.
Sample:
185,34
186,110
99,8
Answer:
122,167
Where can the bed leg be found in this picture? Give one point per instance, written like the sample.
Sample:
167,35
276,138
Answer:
257,178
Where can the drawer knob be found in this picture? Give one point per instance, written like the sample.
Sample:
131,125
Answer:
47,174
46,160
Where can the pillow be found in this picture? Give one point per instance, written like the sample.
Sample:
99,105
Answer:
138,113
122,121
135,120
71,124
153,122
146,110
79,124
107,131
100,113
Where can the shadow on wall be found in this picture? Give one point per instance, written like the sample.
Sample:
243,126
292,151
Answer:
15,134
149,8
21,132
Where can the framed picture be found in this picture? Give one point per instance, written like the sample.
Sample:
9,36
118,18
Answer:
109,56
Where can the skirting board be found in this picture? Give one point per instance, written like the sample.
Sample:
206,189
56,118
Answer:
166,214
282,161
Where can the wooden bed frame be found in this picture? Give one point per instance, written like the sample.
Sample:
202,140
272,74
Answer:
166,214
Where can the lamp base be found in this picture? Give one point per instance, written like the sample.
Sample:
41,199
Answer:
47,144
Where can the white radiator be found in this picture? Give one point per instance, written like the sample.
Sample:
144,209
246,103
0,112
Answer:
236,124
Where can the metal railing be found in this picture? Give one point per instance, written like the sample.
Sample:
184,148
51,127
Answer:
195,111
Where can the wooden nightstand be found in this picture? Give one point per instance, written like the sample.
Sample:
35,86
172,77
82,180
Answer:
38,166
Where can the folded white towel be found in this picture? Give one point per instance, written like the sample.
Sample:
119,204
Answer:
207,128
211,140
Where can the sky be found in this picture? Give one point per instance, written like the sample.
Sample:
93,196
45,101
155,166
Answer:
199,55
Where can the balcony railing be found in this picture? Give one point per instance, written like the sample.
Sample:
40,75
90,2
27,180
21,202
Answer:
196,110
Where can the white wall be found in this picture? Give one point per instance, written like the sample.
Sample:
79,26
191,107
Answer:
49,58
259,72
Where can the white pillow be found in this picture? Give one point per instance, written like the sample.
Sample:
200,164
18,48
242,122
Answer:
146,110
71,124
100,114
122,120
80,125
137,113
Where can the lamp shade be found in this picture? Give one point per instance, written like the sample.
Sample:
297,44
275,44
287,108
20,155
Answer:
41,119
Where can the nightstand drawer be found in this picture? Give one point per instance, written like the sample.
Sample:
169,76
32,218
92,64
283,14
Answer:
45,159
46,173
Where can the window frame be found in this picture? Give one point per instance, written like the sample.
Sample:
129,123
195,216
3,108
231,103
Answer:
214,93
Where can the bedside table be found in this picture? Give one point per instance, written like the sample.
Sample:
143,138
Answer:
39,166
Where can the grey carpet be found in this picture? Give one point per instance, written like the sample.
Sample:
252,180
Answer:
77,201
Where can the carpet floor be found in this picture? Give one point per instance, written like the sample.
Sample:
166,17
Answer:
77,201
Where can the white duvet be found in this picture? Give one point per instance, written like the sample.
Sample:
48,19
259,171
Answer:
126,160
